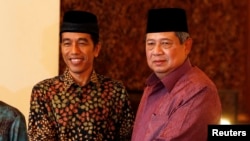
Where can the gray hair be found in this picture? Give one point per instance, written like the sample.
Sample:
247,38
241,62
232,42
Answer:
182,36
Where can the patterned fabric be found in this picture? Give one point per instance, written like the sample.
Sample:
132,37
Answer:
61,110
178,107
12,124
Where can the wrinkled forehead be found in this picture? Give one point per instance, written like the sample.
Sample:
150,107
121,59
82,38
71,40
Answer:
161,35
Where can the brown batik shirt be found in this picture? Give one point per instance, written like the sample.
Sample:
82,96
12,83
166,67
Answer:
61,110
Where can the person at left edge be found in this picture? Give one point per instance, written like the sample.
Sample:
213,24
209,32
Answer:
12,123
80,104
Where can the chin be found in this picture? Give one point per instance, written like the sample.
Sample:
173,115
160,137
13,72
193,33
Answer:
159,70
75,70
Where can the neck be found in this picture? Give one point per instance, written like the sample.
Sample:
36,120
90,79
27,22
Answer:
82,78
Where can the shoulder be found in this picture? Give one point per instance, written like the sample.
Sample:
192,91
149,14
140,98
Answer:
198,76
196,81
47,82
9,110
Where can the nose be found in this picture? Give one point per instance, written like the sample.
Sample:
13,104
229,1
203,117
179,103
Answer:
75,48
158,50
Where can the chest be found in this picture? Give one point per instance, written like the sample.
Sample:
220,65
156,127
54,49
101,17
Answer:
83,106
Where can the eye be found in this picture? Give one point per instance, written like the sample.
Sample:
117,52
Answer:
83,42
150,43
166,44
66,43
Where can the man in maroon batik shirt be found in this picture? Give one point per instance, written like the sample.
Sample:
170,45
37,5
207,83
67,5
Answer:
179,100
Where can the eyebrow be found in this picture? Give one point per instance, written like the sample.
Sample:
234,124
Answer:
79,39
159,39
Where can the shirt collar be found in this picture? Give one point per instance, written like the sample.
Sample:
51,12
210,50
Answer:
68,79
170,80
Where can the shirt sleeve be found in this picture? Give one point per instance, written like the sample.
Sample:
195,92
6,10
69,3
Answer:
18,130
41,125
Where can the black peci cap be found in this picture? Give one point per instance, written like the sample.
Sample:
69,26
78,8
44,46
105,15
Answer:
79,21
167,19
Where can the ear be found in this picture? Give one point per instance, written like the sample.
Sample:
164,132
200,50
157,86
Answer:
97,49
188,45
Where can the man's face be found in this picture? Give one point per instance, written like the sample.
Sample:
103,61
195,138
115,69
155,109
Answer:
78,51
165,53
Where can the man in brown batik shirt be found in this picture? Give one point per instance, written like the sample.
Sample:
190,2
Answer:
80,104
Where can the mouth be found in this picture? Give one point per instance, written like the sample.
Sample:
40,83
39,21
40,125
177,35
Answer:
159,62
76,61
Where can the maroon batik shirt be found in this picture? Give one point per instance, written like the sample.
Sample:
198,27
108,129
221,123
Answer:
177,108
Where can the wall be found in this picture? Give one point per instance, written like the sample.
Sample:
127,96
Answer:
29,53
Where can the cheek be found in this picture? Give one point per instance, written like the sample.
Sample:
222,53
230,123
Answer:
148,54
176,56
64,56
64,53
172,55
64,50
91,54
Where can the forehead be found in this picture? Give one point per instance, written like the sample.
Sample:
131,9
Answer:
161,35
75,35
